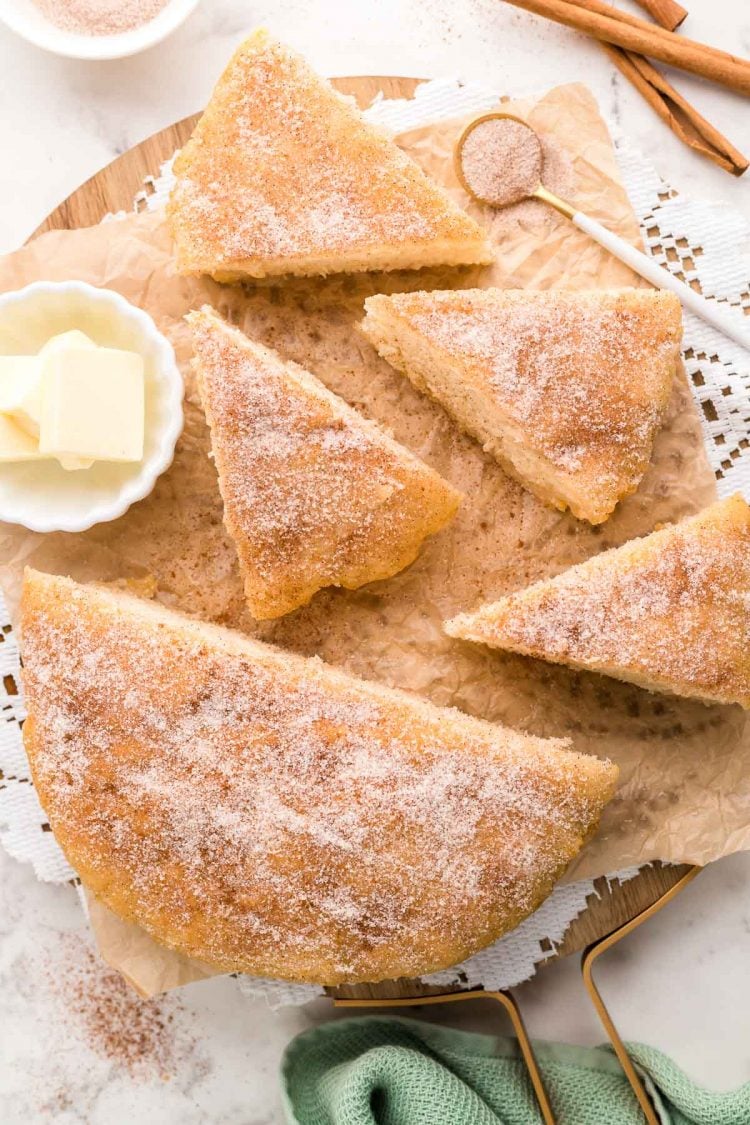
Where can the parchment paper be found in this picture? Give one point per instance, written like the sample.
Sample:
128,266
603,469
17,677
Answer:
685,768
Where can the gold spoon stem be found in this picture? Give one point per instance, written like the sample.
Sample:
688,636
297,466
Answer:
560,205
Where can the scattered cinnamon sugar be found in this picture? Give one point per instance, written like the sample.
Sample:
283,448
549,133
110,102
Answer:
139,1036
118,1024
502,161
56,1104
99,17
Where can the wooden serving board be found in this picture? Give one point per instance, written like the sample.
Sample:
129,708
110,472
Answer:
113,189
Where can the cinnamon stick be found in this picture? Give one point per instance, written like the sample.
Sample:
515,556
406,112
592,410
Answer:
682,118
633,34
667,13
602,8
676,111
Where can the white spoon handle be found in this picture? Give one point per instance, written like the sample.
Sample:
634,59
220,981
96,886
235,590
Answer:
650,269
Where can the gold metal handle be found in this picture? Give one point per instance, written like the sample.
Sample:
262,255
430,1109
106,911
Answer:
590,955
511,1007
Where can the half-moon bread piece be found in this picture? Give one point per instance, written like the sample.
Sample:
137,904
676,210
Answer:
566,389
314,494
669,612
283,175
268,813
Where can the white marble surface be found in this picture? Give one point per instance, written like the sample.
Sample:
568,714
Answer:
681,983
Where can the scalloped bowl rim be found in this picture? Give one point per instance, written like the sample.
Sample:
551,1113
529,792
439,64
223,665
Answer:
168,373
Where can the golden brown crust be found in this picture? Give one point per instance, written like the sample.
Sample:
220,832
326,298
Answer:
314,494
284,176
670,612
565,389
269,814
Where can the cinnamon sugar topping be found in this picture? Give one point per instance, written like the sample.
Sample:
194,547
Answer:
580,379
670,611
267,813
314,494
283,175
560,365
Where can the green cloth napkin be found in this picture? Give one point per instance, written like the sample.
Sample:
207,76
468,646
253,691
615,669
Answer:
389,1071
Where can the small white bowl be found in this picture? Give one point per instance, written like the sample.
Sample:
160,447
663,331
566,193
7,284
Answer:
42,495
23,17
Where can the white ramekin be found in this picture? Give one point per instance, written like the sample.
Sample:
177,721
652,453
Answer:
42,495
23,17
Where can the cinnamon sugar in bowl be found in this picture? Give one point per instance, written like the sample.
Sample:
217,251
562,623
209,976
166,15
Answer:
95,29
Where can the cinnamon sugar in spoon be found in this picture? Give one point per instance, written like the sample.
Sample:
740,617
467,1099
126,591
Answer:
499,161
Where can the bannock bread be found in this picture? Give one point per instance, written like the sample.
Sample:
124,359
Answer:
567,390
314,494
669,612
283,175
269,814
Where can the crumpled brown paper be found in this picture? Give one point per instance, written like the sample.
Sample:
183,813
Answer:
149,967
685,768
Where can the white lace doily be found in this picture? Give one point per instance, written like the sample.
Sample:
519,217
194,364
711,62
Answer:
706,245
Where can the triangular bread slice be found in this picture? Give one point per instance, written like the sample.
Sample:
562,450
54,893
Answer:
565,389
267,813
670,612
283,175
314,494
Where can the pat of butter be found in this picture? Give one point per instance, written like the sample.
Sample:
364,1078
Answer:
64,341
92,405
21,382
21,391
72,339
16,444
